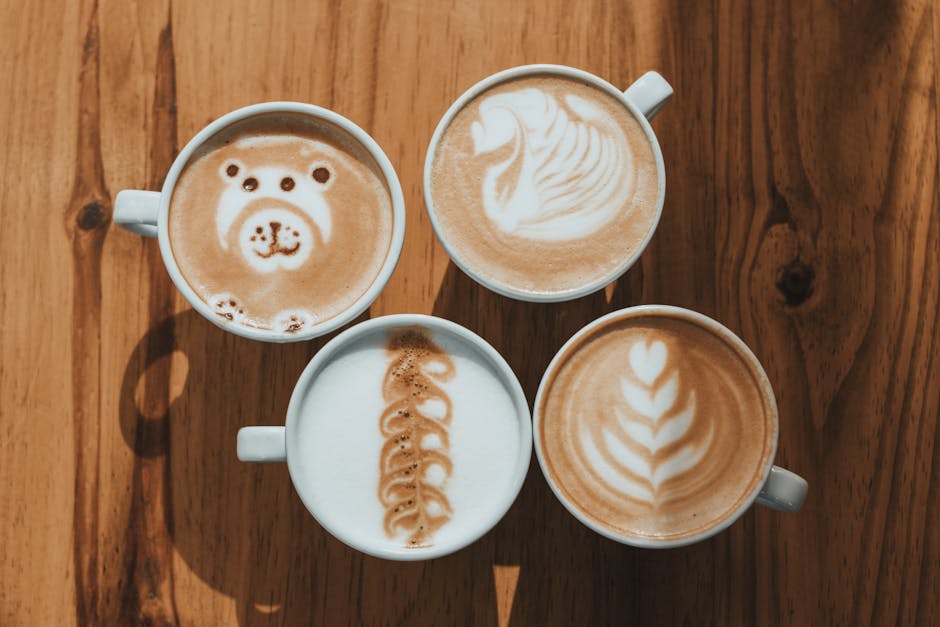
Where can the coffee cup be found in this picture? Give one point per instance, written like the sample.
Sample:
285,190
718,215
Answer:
407,437
657,427
544,183
279,221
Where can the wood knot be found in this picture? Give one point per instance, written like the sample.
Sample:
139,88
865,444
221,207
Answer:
92,216
795,282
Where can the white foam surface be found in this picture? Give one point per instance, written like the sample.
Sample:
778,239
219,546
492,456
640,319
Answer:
339,442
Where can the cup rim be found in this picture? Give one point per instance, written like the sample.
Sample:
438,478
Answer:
504,373
530,70
320,113
723,333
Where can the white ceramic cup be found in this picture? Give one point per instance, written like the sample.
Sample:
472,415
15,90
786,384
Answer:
145,213
278,444
779,489
643,99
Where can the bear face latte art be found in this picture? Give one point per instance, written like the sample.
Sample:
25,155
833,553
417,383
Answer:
542,184
655,427
280,222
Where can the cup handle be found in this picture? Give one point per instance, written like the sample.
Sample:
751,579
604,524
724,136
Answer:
137,210
262,444
649,94
784,491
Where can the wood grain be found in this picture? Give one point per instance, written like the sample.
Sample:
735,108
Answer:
802,210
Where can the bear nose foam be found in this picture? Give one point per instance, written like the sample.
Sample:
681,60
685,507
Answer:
276,238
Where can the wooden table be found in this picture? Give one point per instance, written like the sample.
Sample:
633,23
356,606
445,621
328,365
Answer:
802,211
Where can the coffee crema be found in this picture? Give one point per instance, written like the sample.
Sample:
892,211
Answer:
655,427
415,462
280,222
544,184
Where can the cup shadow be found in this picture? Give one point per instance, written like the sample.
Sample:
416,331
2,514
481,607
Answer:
240,528
567,574
189,386
552,550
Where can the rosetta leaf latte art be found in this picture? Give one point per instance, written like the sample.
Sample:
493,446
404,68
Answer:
648,438
415,460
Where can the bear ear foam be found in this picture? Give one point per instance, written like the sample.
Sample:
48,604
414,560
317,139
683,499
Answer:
322,174
232,169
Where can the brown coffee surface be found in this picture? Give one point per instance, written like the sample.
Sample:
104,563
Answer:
415,504
544,184
280,222
655,427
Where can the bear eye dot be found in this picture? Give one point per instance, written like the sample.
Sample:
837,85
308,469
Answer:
321,175
250,184
287,183
232,169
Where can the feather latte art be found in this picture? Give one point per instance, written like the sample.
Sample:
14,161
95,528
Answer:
543,184
655,427
409,437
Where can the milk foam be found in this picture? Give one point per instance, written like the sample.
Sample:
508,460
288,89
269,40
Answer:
280,222
655,427
280,234
651,418
570,170
342,444
544,185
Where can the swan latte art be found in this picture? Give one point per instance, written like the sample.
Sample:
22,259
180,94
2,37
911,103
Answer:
280,222
655,427
543,184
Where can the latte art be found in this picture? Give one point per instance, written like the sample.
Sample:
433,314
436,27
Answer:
409,439
543,185
654,427
280,222
415,463
287,208
566,176
649,438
